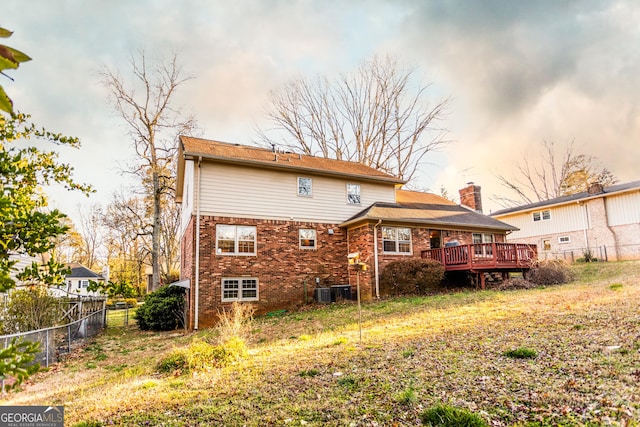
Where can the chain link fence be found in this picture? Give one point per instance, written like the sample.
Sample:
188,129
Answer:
59,340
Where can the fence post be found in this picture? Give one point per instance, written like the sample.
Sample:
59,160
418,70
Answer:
46,337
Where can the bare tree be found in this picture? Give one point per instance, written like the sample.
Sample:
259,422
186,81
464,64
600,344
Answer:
552,175
374,116
146,107
127,239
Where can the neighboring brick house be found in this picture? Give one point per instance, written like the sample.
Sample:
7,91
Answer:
267,227
603,221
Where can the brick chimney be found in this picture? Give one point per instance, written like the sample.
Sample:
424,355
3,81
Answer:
470,197
595,188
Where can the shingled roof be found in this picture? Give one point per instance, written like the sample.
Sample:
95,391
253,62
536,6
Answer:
80,271
585,195
192,148
441,213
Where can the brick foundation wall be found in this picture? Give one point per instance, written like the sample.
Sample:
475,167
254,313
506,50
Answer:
286,274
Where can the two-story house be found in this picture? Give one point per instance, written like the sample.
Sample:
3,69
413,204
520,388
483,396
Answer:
602,222
267,227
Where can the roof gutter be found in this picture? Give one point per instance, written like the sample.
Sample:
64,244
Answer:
449,225
282,166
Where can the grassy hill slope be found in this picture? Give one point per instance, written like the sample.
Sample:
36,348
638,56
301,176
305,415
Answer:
310,368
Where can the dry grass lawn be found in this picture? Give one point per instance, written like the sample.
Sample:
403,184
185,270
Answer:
310,368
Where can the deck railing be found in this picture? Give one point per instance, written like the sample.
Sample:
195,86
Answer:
483,256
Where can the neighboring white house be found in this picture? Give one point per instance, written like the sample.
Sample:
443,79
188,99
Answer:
78,282
603,222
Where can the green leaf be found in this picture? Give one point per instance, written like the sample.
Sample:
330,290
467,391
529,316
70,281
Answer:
4,33
7,60
19,56
5,102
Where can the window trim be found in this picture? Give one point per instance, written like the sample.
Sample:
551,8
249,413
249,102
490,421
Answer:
315,239
397,241
237,241
350,194
544,215
241,288
564,239
310,186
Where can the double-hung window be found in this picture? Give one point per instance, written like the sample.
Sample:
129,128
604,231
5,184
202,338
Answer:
239,289
235,240
482,248
307,238
305,187
353,194
396,240
542,215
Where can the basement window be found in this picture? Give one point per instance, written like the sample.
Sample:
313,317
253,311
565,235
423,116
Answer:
239,289
564,239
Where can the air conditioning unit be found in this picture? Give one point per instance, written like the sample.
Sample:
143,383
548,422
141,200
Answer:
322,295
340,292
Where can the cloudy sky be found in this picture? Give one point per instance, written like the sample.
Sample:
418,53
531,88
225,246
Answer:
517,73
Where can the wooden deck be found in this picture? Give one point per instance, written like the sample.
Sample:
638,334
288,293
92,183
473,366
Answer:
485,258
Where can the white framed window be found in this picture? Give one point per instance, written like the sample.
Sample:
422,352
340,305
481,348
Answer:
482,250
564,239
396,240
353,194
542,215
305,187
239,289
307,238
83,283
235,239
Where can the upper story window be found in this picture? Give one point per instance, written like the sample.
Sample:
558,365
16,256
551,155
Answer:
235,240
307,238
305,187
353,194
396,240
542,215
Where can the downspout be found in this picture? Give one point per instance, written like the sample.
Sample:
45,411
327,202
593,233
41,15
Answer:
586,225
197,293
375,257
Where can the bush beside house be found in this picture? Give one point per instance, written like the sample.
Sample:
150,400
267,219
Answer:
411,276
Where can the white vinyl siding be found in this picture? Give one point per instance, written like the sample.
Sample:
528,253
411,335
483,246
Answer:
188,193
566,219
240,192
623,209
